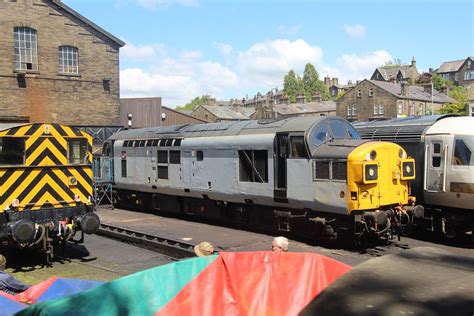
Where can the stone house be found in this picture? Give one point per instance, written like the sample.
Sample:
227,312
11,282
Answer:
461,72
397,73
57,66
216,113
313,108
375,100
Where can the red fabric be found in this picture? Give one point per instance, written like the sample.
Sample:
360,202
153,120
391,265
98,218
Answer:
31,295
256,283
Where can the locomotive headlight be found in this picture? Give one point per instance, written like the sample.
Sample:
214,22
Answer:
408,169
402,154
371,173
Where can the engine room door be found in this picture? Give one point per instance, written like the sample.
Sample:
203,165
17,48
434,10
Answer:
436,152
280,156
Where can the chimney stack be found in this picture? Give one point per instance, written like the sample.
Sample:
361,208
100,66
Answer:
327,81
413,62
403,85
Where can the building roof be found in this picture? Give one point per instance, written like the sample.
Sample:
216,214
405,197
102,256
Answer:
413,92
304,108
87,22
229,112
450,66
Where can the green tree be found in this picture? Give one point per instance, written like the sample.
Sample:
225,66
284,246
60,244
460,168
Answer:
439,82
310,81
197,101
292,85
459,93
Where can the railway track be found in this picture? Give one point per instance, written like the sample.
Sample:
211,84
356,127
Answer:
171,248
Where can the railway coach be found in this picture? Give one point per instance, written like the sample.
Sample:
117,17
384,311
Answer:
309,176
443,147
45,185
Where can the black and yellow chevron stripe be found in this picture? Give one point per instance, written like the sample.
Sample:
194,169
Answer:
46,179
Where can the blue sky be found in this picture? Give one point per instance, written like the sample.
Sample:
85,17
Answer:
180,49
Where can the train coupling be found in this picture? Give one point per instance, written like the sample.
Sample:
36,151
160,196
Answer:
88,223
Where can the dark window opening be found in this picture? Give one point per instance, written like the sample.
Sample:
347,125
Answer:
106,85
253,166
200,155
175,157
162,156
12,151
298,148
177,142
436,156
141,143
169,142
155,142
162,142
124,168
339,170
77,151
162,172
149,143
436,162
436,148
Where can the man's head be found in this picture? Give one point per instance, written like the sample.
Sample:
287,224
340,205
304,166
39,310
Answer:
204,249
3,262
280,244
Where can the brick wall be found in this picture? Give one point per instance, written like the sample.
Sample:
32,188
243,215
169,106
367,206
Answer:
48,96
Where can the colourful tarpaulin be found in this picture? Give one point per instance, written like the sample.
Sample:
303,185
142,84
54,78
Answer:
246,283
50,289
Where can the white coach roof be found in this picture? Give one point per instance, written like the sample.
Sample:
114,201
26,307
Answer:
462,125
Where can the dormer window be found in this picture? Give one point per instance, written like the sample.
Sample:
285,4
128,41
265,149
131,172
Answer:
26,50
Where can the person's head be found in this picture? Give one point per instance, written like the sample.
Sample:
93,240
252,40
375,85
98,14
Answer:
204,249
3,262
280,244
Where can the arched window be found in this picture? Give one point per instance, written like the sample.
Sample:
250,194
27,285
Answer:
26,48
68,60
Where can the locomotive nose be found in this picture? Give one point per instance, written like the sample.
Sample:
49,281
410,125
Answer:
89,223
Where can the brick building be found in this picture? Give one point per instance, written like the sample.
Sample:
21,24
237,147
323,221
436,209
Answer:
57,66
374,100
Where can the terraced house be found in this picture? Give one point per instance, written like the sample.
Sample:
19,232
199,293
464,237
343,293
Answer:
56,65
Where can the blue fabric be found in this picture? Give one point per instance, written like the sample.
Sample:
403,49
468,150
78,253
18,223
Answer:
64,287
10,284
10,307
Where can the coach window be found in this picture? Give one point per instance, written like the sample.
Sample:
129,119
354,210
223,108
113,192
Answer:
12,151
463,151
253,166
77,151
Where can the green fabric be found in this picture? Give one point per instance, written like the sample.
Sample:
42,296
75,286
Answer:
142,293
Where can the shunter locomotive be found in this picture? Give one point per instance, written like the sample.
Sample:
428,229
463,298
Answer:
45,185
309,176
443,147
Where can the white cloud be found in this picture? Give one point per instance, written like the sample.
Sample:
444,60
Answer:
356,31
266,63
289,30
357,67
178,77
162,4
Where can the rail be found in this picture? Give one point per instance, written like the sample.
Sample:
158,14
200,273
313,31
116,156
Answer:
171,248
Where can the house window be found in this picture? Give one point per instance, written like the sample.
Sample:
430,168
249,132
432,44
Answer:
68,60
26,51
400,107
469,75
381,109
371,92
412,109
351,110
378,109
77,151
359,93
253,166
12,151
456,76
420,109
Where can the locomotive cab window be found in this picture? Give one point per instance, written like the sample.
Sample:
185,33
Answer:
463,147
12,151
298,148
436,155
321,133
77,151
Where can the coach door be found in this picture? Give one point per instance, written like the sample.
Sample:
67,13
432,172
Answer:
281,154
436,152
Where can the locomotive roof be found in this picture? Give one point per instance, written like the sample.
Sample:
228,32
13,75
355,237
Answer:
462,125
269,126
407,129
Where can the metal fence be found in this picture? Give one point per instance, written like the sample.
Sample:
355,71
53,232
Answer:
103,175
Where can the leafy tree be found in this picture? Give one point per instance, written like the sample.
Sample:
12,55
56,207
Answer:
459,93
310,81
292,85
439,82
197,101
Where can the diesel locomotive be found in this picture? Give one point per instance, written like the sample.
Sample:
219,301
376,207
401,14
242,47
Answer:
443,147
305,175
46,186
